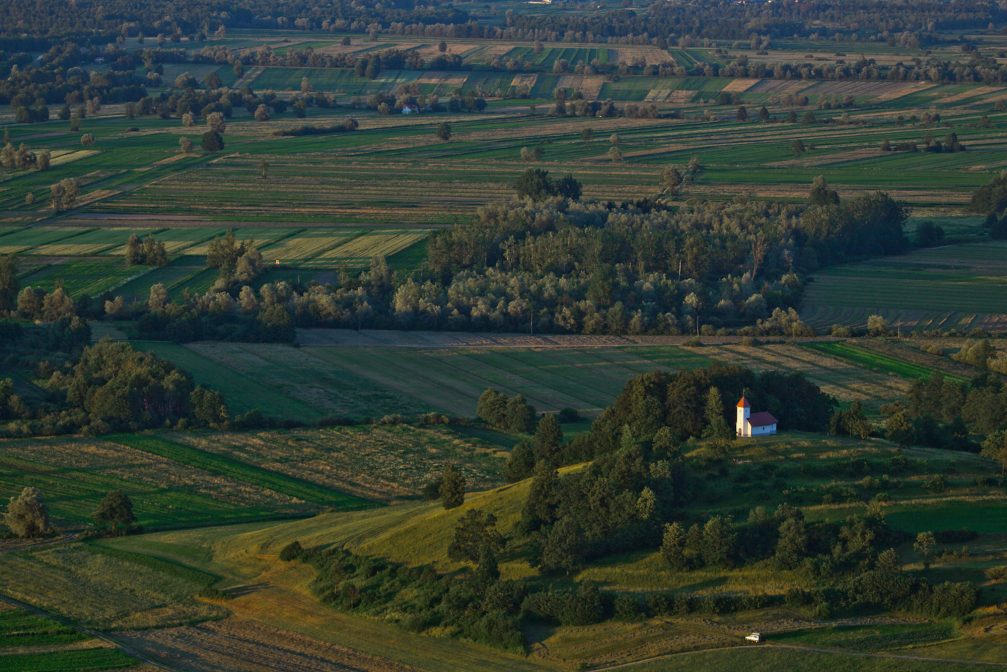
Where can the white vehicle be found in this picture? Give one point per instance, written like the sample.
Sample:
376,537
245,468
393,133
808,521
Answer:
755,638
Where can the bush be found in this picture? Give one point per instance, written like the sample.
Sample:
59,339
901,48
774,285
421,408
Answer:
291,551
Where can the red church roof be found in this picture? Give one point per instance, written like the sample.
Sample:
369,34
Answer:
743,403
761,419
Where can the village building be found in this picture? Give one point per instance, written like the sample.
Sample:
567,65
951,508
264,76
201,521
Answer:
754,424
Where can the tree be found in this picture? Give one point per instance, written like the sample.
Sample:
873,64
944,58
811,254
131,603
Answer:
43,159
562,548
444,131
520,462
209,407
716,424
995,448
134,250
115,511
673,546
520,415
215,122
475,531
797,147
821,194
742,114
718,542
27,515
548,439
452,489
792,543
262,113
492,408
264,169
87,139
543,499
212,141
185,145
63,194
9,284
924,545
587,135
157,298
672,180
877,325
614,154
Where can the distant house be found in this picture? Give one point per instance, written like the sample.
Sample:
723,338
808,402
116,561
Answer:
410,109
754,424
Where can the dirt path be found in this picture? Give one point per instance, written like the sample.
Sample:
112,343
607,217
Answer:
812,649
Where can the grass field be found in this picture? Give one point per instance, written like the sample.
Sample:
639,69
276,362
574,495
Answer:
955,286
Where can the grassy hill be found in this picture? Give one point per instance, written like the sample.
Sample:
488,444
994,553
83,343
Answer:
829,478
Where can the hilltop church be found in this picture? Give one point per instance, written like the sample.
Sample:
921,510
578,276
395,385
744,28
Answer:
754,424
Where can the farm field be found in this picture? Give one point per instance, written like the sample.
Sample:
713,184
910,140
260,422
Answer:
32,643
377,462
340,374
419,533
341,505
955,286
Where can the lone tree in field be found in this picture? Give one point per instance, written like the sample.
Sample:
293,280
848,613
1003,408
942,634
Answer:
262,113
672,180
529,155
924,545
27,515
587,135
9,285
452,489
185,145
87,139
614,154
444,131
742,114
820,193
212,141
264,169
115,511
797,147
63,194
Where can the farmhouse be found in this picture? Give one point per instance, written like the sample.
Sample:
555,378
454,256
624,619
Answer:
754,424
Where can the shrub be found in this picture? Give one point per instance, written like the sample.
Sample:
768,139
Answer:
291,551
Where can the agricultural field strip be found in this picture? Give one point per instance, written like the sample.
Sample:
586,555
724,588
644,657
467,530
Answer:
876,361
242,471
76,474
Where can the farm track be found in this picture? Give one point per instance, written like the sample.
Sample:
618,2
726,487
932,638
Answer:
813,649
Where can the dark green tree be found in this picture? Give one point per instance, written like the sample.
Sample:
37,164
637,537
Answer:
9,285
452,487
520,415
115,511
673,546
475,531
548,440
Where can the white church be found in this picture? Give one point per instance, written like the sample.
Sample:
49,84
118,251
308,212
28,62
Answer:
754,424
